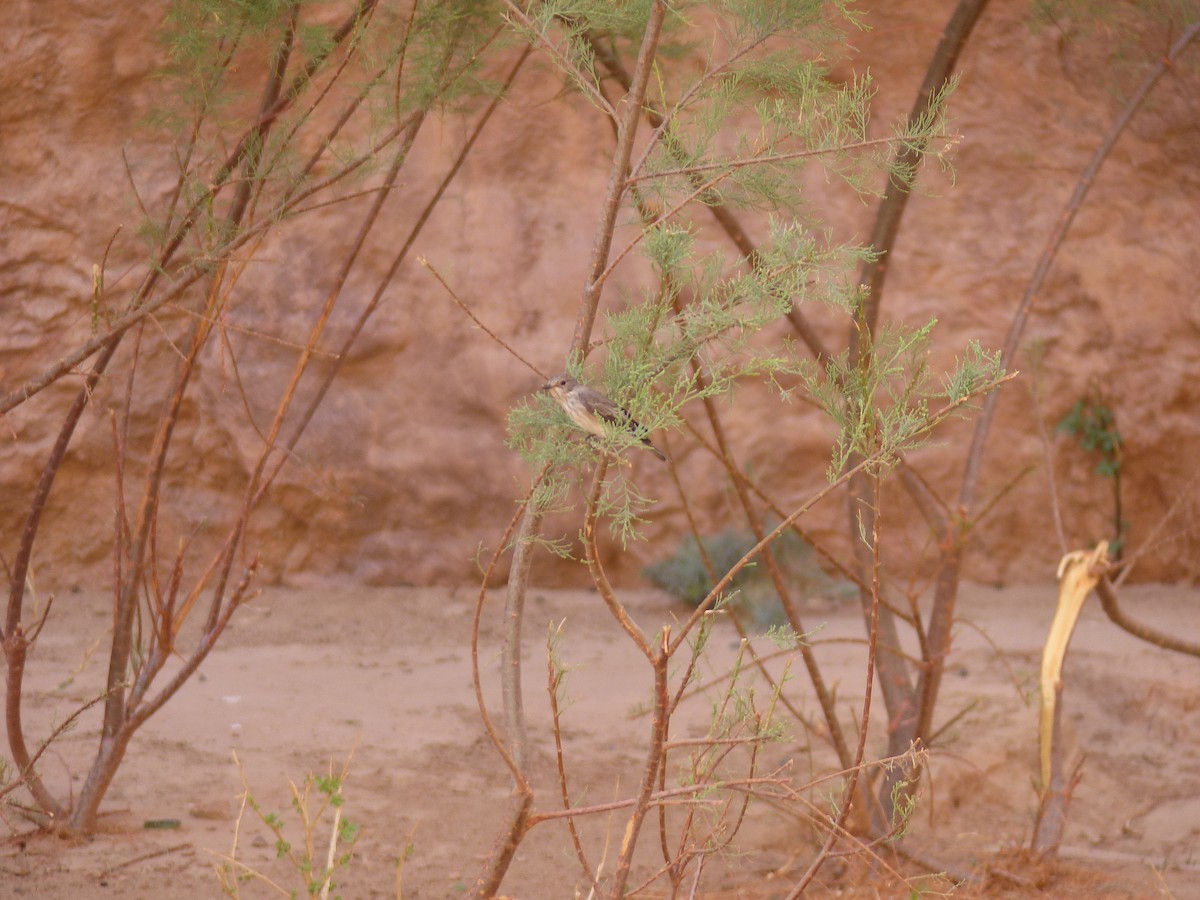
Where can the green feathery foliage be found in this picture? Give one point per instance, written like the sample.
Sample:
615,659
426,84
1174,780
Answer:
736,122
386,67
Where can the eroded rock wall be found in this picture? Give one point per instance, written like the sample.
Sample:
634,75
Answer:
404,475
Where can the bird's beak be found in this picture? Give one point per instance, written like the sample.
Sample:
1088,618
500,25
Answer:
545,387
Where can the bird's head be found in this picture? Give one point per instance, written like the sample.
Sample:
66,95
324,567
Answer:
559,386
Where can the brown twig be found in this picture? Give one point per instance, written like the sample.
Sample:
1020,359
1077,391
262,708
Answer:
596,569
772,779
517,815
900,700
592,91
118,724
15,643
766,159
59,730
824,696
895,199
617,173
531,517
932,420
142,305
402,254
261,479
479,324
758,660
655,759
135,559
554,680
1054,242
955,536
725,218
1112,608
502,747
849,795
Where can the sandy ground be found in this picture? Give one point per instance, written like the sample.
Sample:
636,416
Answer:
305,677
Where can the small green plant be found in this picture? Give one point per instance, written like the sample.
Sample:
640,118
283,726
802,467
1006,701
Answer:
1095,426
685,575
315,853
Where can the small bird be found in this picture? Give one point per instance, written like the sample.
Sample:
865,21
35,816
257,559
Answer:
592,411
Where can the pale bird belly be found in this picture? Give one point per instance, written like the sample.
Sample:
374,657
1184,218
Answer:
579,415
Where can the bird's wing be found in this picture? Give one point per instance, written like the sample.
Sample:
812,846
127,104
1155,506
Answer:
618,416
606,409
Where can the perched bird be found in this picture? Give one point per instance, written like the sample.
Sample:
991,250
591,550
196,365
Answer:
592,411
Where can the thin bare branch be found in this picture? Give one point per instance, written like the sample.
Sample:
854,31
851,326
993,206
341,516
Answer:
618,172
1112,609
592,91
479,324
768,158
1050,252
